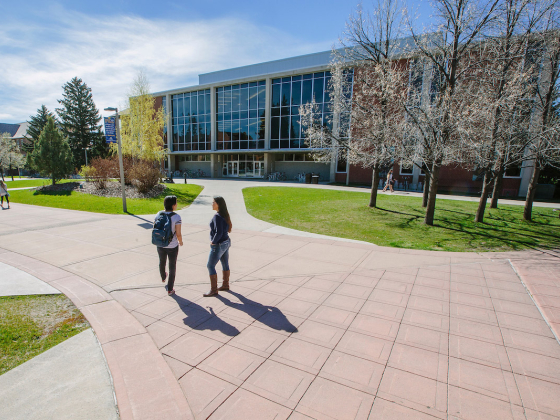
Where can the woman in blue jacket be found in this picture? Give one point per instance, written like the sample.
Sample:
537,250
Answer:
220,227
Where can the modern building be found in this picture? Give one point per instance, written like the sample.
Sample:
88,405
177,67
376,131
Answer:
244,122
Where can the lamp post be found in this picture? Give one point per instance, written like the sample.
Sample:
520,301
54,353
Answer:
85,150
121,167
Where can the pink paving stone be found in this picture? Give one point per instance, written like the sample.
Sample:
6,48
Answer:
523,323
310,295
476,330
383,410
81,292
221,328
297,307
471,300
409,271
512,286
515,308
188,318
278,288
546,346
486,380
394,286
298,416
414,391
145,320
355,372
158,308
244,405
318,333
470,289
426,320
535,365
383,310
339,277
302,355
333,316
473,313
294,281
265,298
323,285
468,405
429,305
429,282
477,351
404,278
163,333
540,289
552,315
329,400
178,368
550,301
231,364
132,299
391,298
474,280
419,361
430,292
257,340
144,384
280,383
423,338
277,321
361,280
376,327
204,392
111,321
433,274
364,346
191,348
511,296
352,290
539,395
346,303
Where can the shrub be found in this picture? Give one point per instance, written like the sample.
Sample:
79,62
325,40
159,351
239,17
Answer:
88,173
105,169
145,176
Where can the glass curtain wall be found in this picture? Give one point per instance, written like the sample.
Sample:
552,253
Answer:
288,93
191,121
240,116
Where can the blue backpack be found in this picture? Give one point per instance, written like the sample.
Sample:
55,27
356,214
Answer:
162,234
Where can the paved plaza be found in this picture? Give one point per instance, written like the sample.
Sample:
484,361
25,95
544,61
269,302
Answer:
313,328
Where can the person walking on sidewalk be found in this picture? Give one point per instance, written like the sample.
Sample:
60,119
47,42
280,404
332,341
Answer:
390,181
170,251
220,227
4,193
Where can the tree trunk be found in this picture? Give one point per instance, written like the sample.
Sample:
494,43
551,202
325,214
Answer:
53,181
531,193
498,182
374,184
431,205
426,189
479,217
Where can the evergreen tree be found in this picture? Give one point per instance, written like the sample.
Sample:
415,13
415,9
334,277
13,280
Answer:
79,119
52,155
36,125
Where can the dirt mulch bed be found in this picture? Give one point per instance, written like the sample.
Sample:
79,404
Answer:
113,189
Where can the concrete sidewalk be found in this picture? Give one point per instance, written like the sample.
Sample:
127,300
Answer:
14,282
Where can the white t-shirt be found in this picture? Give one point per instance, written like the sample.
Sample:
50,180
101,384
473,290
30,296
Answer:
175,220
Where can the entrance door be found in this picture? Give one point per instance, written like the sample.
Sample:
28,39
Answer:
259,169
233,168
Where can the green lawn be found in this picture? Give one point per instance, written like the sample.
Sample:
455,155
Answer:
33,182
398,222
110,205
30,325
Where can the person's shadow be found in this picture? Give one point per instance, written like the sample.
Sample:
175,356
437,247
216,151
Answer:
270,316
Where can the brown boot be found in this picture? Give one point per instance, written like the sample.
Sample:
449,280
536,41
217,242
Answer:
225,284
213,286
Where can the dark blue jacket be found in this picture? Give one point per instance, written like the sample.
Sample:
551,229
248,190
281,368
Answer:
218,229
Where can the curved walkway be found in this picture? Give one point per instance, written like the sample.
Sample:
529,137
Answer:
312,329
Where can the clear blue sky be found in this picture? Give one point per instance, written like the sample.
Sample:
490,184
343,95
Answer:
43,44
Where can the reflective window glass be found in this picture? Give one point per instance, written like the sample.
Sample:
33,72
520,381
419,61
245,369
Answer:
275,128
244,99
220,101
207,103
253,129
180,107
295,127
235,96
194,104
306,94
253,96
187,106
284,128
318,89
296,93
262,96
227,101
285,98
275,96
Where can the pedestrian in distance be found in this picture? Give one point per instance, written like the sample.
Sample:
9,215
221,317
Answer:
220,227
166,235
4,193
390,181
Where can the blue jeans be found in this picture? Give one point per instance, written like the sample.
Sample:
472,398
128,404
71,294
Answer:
219,252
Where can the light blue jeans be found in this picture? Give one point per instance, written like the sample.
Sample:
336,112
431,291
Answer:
219,252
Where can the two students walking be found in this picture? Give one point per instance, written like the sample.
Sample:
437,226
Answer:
4,193
168,238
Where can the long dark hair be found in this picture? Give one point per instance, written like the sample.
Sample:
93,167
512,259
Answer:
222,209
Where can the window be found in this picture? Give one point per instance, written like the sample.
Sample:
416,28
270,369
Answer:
415,81
240,116
406,171
341,162
288,93
513,172
191,121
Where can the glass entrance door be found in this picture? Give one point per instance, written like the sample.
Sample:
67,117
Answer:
259,169
233,168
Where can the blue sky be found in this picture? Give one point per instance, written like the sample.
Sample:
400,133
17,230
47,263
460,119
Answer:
44,44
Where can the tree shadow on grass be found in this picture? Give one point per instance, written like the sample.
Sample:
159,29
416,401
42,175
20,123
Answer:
53,193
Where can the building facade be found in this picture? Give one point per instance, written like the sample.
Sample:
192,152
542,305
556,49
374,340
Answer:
245,122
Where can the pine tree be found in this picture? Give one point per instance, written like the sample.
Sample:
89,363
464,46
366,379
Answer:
52,155
79,119
36,125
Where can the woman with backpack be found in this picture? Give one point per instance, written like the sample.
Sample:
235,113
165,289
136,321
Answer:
4,193
220,227
167,236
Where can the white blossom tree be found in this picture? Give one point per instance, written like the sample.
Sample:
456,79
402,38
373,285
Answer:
11,156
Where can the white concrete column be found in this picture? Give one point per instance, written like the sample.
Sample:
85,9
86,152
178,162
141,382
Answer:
213,109
214,165
169,123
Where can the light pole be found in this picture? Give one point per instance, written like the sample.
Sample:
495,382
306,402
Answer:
120,155
85,150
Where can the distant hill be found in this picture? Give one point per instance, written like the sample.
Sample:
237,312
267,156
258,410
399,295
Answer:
9,128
